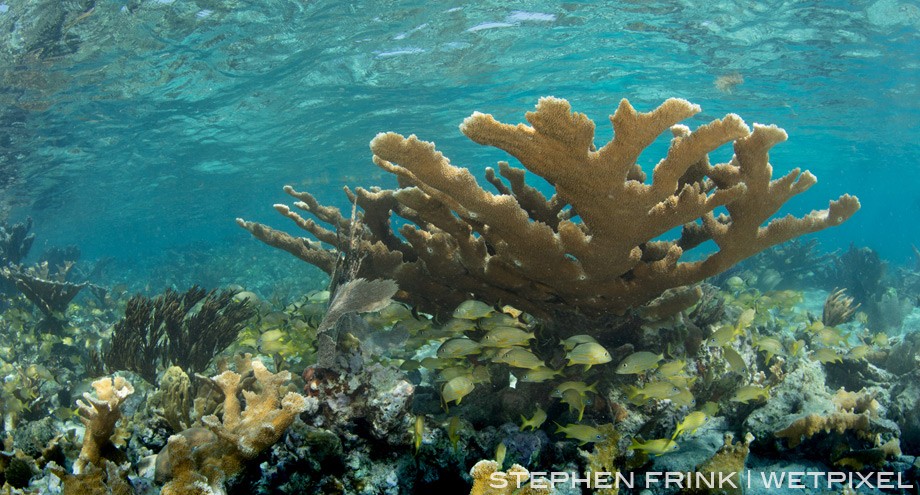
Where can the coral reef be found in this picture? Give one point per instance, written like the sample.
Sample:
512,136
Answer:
50,292
591,247
200,459
100,414
484,474
187,330
730,458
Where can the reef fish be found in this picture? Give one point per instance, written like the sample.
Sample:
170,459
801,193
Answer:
506,337
748,393
539,375
654,390
582,433
458,347
581,387
656,447
472,310
735,361
419,431
770,345
539,417
575,401
638,362
691,423
672,368
588,354
574,340
453,431
519,358
456,389
827,355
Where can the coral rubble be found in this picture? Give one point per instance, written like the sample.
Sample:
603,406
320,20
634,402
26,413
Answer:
593,246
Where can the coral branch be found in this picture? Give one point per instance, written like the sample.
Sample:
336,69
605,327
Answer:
595,245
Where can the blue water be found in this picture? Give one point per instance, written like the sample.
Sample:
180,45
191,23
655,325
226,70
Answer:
138,127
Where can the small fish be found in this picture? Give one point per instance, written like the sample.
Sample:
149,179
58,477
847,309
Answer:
419,431
506,337
859,352
684,398
722,336
581,387
410,365
638,362
520,358
658,390
796,347
456,326
657,447
826,356
456,389
433,363
735,283
575,401
880,339
735,361
453,431
672,368
574,340
496,320
273,341
393,313
458,347
831,336
749,393
539,417
815,326
745,319
770,345
710,408
582,433
690,423
539,375
588,354
472,310
682,381
500,452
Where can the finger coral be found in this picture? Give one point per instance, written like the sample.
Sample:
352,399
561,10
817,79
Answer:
592,247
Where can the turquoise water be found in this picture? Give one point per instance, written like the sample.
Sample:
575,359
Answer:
133,128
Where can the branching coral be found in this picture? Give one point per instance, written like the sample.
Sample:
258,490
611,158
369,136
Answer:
100,414
198,459
50,293
593,246
488,479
